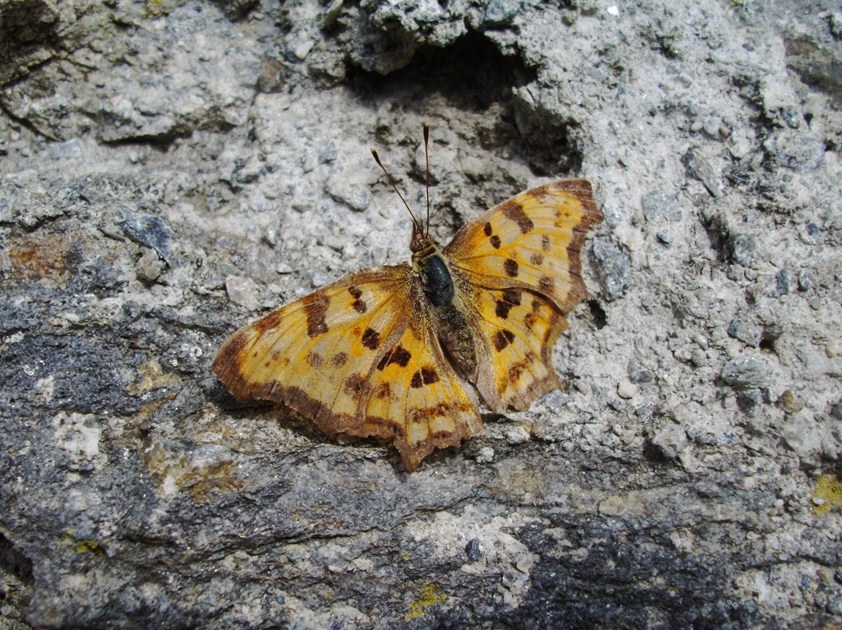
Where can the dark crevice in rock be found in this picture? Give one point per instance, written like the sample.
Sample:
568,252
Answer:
471,74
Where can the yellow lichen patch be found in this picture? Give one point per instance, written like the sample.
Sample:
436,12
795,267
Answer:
152,376
429,596
176,472
85,545
158,8
827,494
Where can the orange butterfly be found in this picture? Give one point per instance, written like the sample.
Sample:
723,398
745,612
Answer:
389,351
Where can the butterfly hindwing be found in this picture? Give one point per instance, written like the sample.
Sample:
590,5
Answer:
416,392
516,330
518,267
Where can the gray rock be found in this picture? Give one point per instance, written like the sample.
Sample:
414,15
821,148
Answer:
243,291
614,267
795,151
700,168
747,332
501,12
148,230
746,371
741,248
657,205
805,280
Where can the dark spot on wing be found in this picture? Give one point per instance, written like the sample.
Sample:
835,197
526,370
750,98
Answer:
424,376
398,355
495,241
514,212
358,304
315,359
511,267
268,322
536,259
517,370
315,307
384,390
511,297
529,320
503,338
546,284
371,339
354,385
545,243
339,359
487,229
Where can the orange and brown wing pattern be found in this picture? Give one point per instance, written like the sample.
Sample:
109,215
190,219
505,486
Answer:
518,267
355,357
416,393
516,330
532,241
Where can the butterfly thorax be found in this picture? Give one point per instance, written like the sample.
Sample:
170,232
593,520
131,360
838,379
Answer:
431,267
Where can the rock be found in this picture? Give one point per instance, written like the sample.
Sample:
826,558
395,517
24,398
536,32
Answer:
795,151
243,291
614,269
169,169
805,436
150,266
670,440
626,389
699,168
741,248
351,190
745,372
148,230
788,402
501,12
657,205
747,332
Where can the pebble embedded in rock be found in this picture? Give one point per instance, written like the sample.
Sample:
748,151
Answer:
626,389
243,291
746,372
657,205
150,266
746,331
614,268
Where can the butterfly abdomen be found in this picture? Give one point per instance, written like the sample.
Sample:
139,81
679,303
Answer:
452,328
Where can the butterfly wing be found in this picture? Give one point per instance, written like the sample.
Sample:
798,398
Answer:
518,268
356,357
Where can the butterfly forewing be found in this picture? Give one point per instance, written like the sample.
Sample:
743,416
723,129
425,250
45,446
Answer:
531,241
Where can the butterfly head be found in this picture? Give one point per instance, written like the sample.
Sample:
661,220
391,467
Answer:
421,244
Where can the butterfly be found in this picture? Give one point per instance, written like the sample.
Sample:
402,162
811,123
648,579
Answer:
401,352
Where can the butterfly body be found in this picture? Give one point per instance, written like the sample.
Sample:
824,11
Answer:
393,351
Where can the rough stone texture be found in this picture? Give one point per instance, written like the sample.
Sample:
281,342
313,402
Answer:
168,170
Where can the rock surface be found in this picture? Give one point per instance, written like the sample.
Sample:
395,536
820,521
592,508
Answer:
169,170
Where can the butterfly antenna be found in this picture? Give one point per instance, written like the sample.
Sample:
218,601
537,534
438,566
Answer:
392,183
427,171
